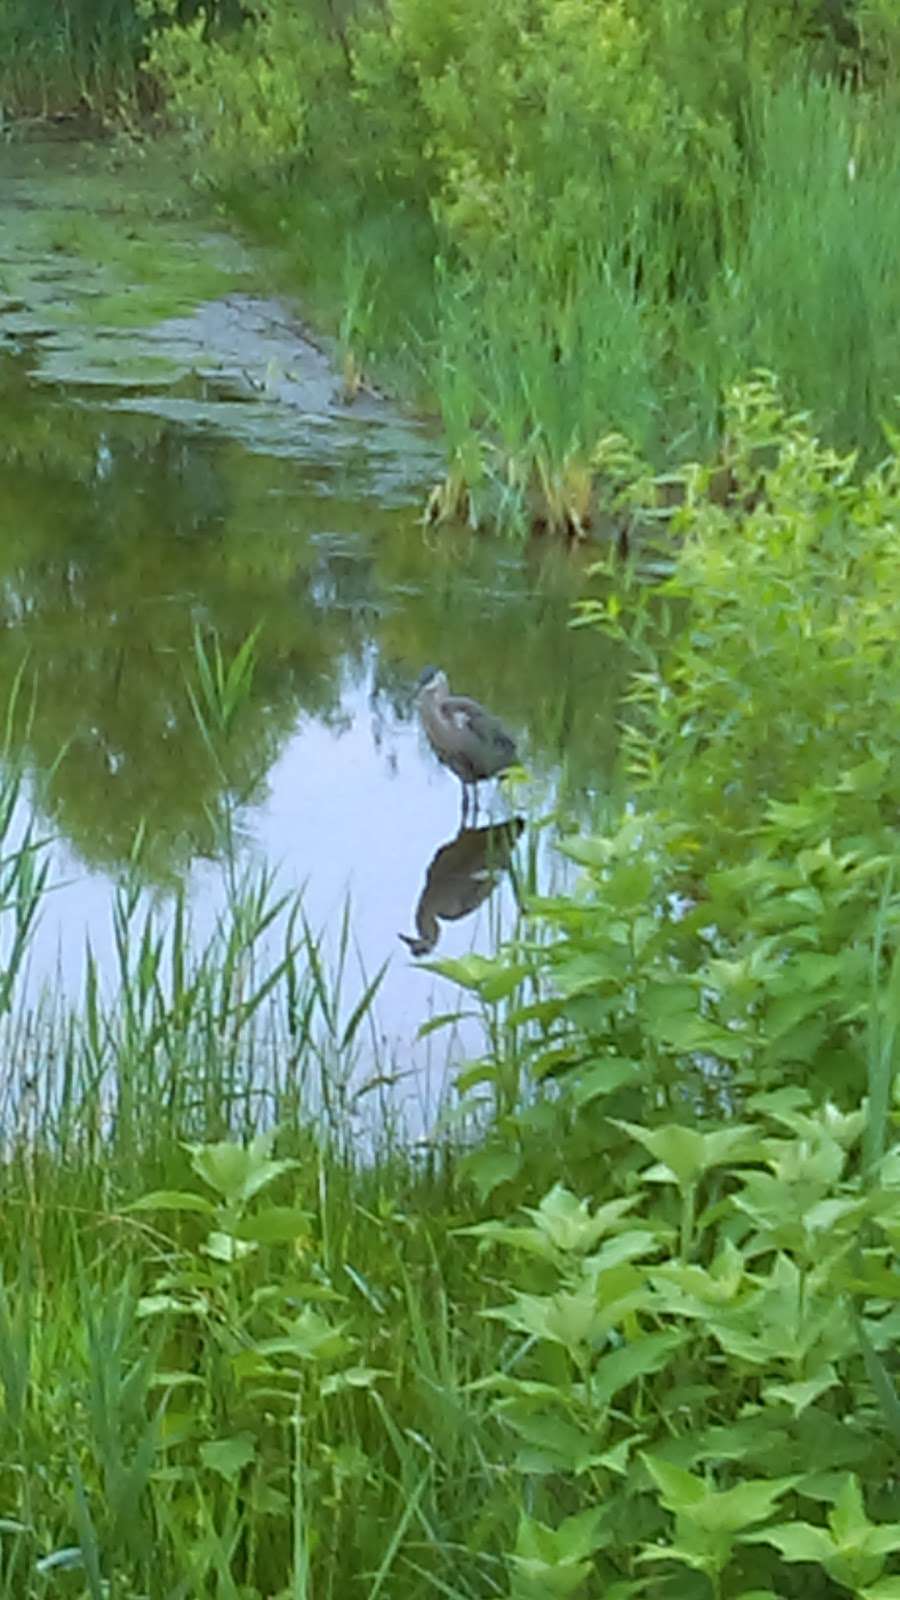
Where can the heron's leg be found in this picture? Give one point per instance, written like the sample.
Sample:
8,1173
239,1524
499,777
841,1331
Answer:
475,802
465,803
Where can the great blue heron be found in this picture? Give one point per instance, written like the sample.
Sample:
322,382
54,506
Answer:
469,740
461,875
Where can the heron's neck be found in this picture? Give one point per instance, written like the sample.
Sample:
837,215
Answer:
427,927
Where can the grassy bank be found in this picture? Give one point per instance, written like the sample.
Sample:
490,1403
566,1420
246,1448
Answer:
573,222
550,224
635,1333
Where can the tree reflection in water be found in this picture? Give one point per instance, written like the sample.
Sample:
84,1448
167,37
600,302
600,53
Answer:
126,533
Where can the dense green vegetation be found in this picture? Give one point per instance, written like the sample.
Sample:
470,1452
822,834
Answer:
638,1338
625,1324
551,221
557,221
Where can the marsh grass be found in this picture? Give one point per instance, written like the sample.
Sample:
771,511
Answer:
213,1034
131,1423
536,341
808,287
83,55
800,282
349,250
119,1308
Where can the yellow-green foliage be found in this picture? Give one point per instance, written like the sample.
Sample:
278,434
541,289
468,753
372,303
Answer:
246,97
511,118
530,111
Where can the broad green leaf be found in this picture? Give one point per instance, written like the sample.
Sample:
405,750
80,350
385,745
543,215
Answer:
593,1079
617,1459
225,1247
802,1394
493,979
568,1222
718,1286
275,1225
566,1318
726,1511
228,1457
353,1378
476,1073
831,1215
782,1103
786,1320
650,1353
687,1153
738,1441
681,1491
812,971
557,1580
575,1538
797,1541
698,1560
551,1444
848,1516
157,1305
846,1128
172,1200
529,1240
267,1501
489,1167
882,1539
238,1172
310,1337
820,1160
622,1247
731,1510
590,850
671,1015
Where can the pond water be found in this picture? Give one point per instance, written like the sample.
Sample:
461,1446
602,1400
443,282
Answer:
177,459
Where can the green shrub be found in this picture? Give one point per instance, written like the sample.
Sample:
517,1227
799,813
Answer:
702,1042
245,96
737,923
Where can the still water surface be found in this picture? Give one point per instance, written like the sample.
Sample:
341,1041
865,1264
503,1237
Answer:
175,458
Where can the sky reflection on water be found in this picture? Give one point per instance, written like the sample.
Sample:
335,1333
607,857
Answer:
200,477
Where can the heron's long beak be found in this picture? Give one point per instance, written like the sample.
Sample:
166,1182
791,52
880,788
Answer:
418,946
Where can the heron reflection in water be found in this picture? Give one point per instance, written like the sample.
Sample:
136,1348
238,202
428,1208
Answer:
466,738
461,876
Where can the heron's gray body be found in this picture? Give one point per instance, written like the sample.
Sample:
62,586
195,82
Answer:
466,738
